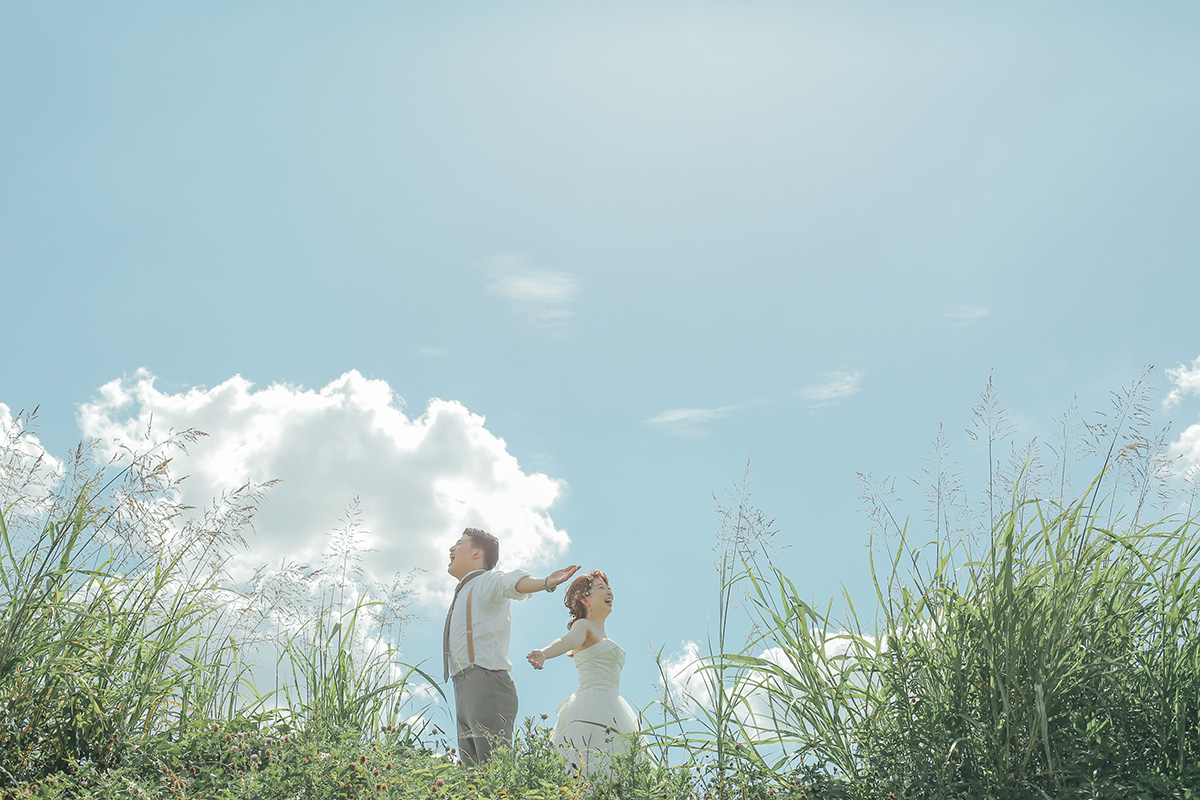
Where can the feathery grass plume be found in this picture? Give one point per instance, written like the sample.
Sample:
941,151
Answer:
105,590
118,622
1121,429
338,640
1069,649
709,723
1058,655
1067,429
1191,490
990,428
28,474
944,488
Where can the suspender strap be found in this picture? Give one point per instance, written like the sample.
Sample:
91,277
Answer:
470,637
449,615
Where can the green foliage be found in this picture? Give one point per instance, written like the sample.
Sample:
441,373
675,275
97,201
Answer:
1063,654
1036,644
339,686
1061,658
100,622
116,642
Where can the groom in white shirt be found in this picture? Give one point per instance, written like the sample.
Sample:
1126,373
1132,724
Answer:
475,643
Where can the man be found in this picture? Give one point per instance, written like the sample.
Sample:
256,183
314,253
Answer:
475,645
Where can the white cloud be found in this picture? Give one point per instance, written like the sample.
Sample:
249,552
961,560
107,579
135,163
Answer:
419,480
543,296
1187,446
833,387
688,687
963,314
1186,380
685,689
688,422
28,473
771,701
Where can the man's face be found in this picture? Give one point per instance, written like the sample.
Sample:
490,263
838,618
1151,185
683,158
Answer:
462,557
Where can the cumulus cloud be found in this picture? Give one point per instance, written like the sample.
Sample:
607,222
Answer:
833,388
762,697
685,688
24,449
1186,381
28,473
1187,446
771,699
544,297
419,480
964,315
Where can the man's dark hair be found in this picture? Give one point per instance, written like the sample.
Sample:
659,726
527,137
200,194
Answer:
489,544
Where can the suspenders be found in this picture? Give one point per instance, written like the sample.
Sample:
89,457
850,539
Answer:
446,633
470,637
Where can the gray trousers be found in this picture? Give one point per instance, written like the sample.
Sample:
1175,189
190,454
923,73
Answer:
485,702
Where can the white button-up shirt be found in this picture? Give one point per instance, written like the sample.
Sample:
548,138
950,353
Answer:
491,620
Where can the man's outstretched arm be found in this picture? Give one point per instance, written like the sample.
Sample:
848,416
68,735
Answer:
530,584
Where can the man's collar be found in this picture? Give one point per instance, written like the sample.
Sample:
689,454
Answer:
470,575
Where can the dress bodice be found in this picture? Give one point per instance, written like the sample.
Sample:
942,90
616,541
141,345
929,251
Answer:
600,666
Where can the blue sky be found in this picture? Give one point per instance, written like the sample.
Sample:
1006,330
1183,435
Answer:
628,245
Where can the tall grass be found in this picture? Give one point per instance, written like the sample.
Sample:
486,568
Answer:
119,623
709,733
1057,654
345,669
102,609
1040,642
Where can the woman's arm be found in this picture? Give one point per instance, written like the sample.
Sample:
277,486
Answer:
572,641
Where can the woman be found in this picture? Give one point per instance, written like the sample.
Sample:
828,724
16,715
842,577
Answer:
595,723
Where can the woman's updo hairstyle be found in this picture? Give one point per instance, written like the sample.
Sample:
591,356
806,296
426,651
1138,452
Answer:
581,587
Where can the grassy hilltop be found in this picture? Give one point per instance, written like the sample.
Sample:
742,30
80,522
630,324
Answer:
1041,642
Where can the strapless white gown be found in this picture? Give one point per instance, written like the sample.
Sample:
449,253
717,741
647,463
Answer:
591,722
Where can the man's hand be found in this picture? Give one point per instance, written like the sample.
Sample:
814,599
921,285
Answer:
529,584
560,576
537,658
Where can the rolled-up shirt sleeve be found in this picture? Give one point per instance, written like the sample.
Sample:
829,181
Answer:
496,587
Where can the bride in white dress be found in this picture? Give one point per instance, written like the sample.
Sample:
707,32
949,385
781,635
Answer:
594,724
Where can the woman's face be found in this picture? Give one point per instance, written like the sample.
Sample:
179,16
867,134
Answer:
600,596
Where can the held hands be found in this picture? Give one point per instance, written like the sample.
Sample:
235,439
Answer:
537,658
